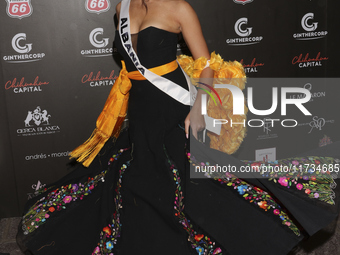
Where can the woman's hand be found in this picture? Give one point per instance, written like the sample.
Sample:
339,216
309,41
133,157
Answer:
195,119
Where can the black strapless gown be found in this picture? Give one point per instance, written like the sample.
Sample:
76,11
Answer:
137,197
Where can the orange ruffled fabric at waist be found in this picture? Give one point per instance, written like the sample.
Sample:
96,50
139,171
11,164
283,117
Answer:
113,114
160,70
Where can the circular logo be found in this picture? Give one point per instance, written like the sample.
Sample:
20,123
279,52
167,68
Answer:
98,43
16,44
305,21
238,27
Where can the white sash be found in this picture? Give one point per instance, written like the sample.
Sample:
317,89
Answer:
170,88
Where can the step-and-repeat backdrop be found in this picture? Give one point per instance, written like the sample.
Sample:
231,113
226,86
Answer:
58,64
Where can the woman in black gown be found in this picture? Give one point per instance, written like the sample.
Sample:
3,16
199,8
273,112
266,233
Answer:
131,199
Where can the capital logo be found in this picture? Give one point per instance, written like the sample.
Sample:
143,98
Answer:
22,86
306,24
96,40
97,6
17,45
38,117
19,8
95,79
304,60
242,1
252,67
243,32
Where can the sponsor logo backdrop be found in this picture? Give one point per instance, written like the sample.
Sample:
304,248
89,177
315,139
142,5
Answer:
58,64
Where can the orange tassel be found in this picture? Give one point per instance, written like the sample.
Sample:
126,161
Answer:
109,121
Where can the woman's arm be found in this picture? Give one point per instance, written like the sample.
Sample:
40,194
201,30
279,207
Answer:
193,36
118,10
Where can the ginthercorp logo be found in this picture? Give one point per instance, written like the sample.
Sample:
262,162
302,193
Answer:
239,99
98,40
98,43
242,1
19,8
305,25
37,122
310,26
24,48
21,48
244,31
97,6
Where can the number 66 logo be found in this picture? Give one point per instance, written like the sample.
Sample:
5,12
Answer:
19,8
97,6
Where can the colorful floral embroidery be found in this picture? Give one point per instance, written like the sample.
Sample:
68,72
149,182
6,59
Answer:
110,233
201,243
58,199
312,175
250,193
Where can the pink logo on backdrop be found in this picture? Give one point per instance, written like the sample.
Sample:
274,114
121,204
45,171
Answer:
243,1
97,6
19,8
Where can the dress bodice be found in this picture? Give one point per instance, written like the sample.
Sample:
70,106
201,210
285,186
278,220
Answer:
154,47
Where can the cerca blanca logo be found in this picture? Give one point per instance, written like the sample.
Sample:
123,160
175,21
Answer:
244,32
38,117
23,49
310,27
98,41
37,122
